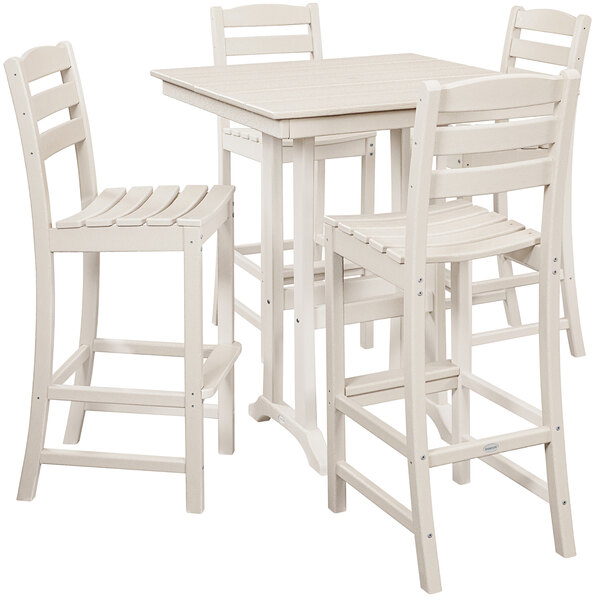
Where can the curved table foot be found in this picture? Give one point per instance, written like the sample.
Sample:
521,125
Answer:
311,440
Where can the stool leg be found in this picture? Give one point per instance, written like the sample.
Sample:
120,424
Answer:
461,356
42,374
367,206
336,435
556,465
511,303
89,327
416,431
569,289
225,302
193,359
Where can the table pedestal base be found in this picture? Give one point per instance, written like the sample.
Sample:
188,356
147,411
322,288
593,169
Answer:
311,440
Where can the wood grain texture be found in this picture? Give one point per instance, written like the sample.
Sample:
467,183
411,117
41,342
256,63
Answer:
313,88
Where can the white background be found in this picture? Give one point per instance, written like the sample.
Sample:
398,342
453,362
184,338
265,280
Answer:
266,532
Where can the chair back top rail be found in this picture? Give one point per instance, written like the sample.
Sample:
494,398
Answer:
265,15
545,21
31,108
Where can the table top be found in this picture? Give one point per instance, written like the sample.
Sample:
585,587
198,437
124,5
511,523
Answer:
319,88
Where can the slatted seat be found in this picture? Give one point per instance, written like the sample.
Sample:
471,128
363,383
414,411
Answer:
139,219
457,230
408,250
138,206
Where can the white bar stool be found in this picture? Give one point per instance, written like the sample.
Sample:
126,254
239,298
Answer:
516,49
400,247
117,220
248,142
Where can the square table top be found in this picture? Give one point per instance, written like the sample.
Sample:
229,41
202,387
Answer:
320,88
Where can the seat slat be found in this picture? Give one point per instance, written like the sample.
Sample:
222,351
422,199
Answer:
162,197
351,221
477,181
211,212
462,252
272,44
105,201
266,15
132,200
434,229
43,61
475,233
546,20
495,137
54,99
184,203
436,222
62,136
546,53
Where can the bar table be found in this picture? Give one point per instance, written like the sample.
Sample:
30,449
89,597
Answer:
301,100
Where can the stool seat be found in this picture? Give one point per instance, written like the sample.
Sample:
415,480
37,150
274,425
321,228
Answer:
457,231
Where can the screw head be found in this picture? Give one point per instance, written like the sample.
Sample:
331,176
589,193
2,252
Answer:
430,535
558,428
420,280
564,502
419,293
423,457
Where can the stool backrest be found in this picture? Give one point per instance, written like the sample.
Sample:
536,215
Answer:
31,108
265,15
471,101
574,29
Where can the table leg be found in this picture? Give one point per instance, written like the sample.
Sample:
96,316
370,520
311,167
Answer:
301,420
272,280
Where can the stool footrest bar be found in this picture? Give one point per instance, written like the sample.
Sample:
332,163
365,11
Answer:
83,393
375,494
210,410
508,333
502,398
217,366
111,460
488,446
386,433
71,364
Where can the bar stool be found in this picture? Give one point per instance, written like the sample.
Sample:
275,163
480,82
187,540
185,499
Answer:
248,142
117,220
516,49
399,247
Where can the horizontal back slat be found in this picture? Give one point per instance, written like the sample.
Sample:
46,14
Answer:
452,183
274,44
54,99
43,61
263,15
546,53
60,137
494,137
493,93
546,20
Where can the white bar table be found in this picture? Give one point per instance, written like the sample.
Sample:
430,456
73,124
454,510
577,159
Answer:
301,100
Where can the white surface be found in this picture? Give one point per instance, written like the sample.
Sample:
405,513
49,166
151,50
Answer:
97,533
